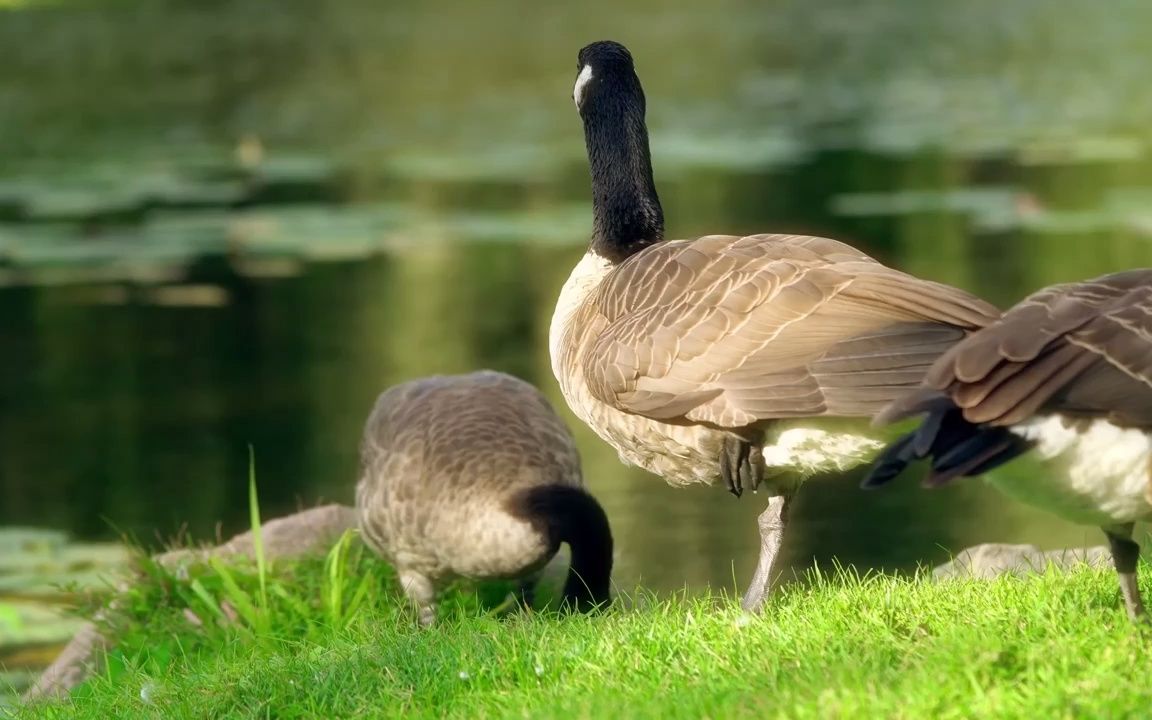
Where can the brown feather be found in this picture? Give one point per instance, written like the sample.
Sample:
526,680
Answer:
732,331
1079,348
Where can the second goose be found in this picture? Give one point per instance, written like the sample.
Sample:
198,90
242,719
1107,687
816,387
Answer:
719,360
1066,374
475,476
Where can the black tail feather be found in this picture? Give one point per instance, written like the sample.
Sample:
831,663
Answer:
1018,447
925,435
891,461
953,446
985,449
917,402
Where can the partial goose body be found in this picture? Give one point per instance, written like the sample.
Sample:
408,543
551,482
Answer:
1065,375
475,476
729,359
769,337
1099,470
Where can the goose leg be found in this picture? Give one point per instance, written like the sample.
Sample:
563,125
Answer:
772,523
420,591
1125,554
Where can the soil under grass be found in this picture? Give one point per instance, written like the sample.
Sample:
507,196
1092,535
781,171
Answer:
330,638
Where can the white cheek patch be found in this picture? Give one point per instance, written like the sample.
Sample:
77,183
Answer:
582,81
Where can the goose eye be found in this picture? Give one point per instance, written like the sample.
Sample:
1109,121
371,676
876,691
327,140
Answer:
582,81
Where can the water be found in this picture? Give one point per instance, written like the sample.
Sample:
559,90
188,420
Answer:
239,233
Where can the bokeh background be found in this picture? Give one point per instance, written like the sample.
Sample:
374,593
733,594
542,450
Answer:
233,222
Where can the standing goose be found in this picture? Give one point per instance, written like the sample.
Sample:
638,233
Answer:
1065,374
711,360
475,476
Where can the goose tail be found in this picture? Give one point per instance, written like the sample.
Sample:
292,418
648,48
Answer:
953,446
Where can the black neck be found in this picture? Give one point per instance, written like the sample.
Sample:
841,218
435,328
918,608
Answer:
570,515
590,570
627,216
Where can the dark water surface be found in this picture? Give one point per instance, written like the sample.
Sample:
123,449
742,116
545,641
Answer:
241,231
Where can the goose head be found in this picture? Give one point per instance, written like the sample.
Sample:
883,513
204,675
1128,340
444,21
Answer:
606,72
627,216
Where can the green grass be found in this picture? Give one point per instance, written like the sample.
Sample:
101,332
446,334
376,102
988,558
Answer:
331,637
337,641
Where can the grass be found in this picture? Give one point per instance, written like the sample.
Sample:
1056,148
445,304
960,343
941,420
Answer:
837,646
331,637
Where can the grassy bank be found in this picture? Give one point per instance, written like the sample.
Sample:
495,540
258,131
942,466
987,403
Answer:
329,638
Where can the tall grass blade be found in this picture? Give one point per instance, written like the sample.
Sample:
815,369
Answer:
257,537
335,577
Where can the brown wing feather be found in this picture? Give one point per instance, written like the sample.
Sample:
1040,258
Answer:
1081,348
731,331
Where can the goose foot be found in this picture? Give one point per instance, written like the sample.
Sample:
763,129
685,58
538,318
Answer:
741,465
772,523
422,594
1125,555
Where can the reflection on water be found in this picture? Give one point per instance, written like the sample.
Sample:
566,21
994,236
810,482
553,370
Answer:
240,233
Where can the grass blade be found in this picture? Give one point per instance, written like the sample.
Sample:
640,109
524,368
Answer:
257,618
257,537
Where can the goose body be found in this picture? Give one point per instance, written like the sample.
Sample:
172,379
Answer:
770,337
475,476
1065,375
1098,471
729,359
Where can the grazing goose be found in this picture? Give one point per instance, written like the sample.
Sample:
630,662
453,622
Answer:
722,359
1065,374
475,476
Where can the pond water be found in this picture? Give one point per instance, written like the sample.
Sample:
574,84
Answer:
224,227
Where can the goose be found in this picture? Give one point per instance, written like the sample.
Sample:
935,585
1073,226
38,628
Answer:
476,476
1065,375
728,360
